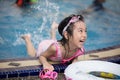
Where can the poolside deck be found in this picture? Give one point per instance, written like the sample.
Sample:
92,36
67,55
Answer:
111,54
102,54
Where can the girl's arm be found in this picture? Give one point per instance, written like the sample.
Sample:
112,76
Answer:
45,56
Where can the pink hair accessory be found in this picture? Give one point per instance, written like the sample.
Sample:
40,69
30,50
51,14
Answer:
47,74
72,20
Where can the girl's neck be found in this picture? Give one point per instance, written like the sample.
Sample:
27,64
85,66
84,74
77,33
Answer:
70,47
68,50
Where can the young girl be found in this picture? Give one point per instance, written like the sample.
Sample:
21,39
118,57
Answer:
73,32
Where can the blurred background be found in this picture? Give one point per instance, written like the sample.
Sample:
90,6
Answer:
103,26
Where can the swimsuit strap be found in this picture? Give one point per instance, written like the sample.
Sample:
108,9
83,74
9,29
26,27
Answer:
77,53
58,52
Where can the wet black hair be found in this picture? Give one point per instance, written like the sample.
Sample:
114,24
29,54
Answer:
64,22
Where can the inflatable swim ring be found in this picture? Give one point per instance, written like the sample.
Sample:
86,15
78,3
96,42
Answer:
93,70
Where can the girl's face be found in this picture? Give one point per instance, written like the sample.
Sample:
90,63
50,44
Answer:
79,35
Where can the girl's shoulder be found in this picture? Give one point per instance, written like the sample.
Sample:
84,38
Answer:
54,44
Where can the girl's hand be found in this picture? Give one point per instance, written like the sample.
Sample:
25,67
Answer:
48,66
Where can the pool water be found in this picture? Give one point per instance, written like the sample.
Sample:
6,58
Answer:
103,27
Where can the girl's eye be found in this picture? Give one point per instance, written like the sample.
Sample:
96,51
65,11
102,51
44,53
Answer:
80,30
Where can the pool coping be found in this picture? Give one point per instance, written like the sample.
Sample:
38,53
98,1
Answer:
107,54
89,55
32,66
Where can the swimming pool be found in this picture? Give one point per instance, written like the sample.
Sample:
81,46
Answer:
103,26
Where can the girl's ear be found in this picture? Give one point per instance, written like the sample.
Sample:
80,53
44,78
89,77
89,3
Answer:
65,34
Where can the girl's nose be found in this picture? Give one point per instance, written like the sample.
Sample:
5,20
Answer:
84,35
